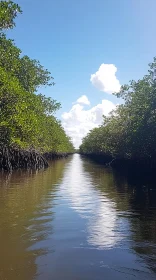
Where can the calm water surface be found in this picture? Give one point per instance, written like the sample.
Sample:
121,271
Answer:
76,221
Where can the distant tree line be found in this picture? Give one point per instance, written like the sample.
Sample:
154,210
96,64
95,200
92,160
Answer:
26,117
129,132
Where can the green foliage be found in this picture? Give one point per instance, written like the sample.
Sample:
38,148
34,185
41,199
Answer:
26,118
8,12
30,73
33,75
130,131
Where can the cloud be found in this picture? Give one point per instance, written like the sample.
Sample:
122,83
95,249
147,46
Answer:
105,79
83,100
78,121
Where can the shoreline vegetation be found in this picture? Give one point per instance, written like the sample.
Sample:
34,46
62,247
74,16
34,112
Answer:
126,140
15,158
123,165
30,134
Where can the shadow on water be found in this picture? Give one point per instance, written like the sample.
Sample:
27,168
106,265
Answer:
76,220
135,200
26,212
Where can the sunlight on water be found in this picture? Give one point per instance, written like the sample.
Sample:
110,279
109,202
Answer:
75,220
98,210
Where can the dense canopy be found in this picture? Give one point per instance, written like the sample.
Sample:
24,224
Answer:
130,130
26,116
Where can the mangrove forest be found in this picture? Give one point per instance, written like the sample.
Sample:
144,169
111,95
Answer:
128,134
28,126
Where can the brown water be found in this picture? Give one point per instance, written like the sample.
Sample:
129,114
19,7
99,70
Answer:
75,221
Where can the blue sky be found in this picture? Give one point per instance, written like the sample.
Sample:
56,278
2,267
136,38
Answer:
73,38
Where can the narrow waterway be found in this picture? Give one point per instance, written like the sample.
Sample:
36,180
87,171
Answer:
77,221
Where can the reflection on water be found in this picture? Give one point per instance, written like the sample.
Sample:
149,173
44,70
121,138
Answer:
98,210
76,220
25,219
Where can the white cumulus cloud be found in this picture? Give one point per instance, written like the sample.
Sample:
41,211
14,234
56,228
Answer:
83,100
105,78
78,121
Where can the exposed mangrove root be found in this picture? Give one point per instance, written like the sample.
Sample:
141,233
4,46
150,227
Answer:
99,158
14,158
135,168
53,156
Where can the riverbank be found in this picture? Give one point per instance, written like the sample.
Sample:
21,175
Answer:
53,156
136,168
15,158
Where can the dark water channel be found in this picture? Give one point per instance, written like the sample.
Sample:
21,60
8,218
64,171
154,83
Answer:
76,221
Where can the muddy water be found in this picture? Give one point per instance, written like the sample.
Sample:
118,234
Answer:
76,220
